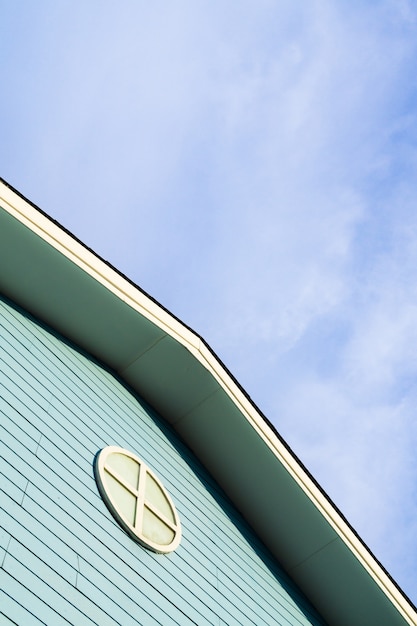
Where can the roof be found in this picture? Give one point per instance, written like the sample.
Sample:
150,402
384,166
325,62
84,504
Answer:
46,270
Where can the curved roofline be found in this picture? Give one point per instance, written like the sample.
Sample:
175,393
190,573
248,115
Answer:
178,373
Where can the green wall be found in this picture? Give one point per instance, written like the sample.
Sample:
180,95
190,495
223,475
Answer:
63,557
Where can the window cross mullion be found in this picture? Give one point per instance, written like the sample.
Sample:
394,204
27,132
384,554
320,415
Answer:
161,516
121,480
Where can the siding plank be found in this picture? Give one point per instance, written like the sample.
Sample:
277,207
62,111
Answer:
25,529
24,606
61,597
58,407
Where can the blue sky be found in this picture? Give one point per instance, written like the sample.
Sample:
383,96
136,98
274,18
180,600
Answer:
252,166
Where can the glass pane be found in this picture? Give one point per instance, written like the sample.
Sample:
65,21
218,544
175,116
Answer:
155,495
125,466
155,530
123,501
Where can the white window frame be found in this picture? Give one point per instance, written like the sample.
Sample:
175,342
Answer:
139,492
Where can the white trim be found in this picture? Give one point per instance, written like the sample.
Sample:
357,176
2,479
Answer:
138,491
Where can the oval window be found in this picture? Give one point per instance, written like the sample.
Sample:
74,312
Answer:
137,500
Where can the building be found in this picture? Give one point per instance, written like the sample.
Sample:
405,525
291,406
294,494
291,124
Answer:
245,535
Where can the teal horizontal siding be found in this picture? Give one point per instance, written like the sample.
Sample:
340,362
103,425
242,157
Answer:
4,542
24,606
58,407
27,530
4,620
67,603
